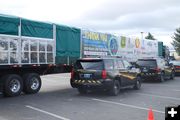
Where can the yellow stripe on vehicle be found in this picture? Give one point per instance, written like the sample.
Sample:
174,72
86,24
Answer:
128,76
98,82
94,81
169,71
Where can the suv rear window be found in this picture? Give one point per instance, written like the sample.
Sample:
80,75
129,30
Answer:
147,63
89,64
175,63
109,64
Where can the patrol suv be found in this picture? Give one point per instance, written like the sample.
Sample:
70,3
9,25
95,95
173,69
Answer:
107,74
176,66
156,69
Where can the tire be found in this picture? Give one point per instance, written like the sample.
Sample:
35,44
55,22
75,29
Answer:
172,75
137,85
72,84
13,85
114,91
32,83
162,77
82,90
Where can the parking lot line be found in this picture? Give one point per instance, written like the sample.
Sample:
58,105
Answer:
159,96
163,85
176,90
127,105
48,113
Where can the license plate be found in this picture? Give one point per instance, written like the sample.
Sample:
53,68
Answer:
145,70
87,75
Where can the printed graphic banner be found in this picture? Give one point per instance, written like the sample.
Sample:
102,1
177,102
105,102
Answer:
96,44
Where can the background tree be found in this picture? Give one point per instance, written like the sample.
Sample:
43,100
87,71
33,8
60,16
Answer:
176,41
150,36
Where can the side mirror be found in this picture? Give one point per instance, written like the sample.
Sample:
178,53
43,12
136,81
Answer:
135,65
132,66
166,64
171,65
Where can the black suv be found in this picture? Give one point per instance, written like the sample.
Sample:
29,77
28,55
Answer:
176,66
109,74
155,69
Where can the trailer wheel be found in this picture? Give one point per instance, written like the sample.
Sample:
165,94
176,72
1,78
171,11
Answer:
13,85
32,83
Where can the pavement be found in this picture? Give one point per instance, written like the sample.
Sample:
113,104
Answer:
58,101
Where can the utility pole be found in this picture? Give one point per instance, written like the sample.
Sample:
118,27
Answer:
142,35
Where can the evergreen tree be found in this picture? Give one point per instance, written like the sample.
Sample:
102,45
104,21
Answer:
150,36
176,41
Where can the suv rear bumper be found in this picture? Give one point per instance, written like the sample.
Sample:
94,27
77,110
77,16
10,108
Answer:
177,72
93,84
1,86
151,77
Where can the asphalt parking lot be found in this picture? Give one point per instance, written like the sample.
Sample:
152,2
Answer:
58,101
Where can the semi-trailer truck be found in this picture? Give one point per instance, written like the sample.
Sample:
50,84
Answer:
29,49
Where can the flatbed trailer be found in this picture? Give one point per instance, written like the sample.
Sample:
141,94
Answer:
28,50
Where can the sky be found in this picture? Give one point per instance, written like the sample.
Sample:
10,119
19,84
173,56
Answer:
120,17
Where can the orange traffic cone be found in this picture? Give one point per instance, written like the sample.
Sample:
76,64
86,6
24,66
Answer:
150,115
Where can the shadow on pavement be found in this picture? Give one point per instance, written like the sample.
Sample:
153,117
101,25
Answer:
66,93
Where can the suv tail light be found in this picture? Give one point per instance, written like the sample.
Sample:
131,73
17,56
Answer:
72,74
157,70
177,67
104,74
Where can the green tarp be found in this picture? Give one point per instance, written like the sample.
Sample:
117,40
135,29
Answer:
67,38
160,49
36,29
67,44
9,25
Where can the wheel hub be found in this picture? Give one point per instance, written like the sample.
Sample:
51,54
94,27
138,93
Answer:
138,84
34,83
116,88
15,85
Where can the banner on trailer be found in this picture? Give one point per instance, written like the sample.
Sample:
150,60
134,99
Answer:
100,44
134,48
96,44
